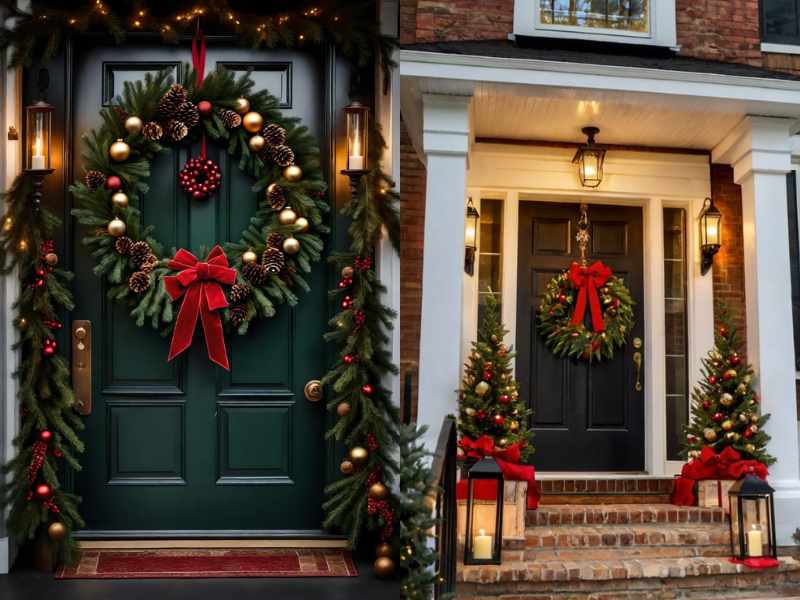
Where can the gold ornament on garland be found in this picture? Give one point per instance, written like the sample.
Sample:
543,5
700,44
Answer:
287,216
116,227
343,409
242,106
347,272
253,122
51,258
378,491
256,143
301,225
383,549
359,455
133,125
293,173
249,257
119,151
347,467
291,245
56,531
384,567
120,200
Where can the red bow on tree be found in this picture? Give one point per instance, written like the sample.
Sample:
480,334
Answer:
728,464
200,282
586,280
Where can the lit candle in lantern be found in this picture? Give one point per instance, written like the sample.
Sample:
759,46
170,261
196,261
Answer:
355,162
755,544
482,547
37,160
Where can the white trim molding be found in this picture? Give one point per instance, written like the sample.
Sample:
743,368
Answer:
780,48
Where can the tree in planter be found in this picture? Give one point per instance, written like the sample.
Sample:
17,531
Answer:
725,408
489,403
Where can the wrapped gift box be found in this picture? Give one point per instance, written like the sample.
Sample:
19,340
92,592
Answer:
515,495
714,492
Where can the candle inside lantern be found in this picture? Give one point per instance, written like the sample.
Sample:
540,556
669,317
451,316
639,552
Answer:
755,543
482,546
355,163
37,160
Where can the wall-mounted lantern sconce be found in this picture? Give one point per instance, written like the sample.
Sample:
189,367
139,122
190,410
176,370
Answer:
357,117
710,234
590,158
470,237
38,123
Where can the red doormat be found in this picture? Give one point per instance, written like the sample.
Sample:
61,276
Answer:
190,563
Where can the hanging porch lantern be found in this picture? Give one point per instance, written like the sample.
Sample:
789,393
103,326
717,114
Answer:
710,234
483,539
39,122
470,237
590,158
357,118
752,519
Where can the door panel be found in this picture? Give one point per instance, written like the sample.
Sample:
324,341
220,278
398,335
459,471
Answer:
186,445
585,417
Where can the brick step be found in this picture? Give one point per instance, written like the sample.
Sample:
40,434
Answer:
623,514
622,490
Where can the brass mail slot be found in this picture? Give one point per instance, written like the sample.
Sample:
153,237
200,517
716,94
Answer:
82,365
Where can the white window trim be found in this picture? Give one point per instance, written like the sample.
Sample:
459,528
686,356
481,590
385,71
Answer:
663,30
780,48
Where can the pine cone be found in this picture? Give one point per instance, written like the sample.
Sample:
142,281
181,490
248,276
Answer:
283,156
239,293
176,131
275,239
139,252
169,103
188,114
149,263
274,260
274,134
275,196
152,131
230,118
255,273
139,282
238,315
94,179
123,245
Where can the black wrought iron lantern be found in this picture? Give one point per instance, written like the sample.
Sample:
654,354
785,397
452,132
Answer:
590,158
357,117
38,127
752,519
470,237
483,538
710,234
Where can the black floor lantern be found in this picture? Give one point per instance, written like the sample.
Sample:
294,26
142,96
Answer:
752,519
483,539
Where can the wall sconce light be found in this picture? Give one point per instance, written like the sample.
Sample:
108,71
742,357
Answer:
470,238
357,118
590,158
710,234
38,129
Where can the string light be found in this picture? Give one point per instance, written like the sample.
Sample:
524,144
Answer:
22,245
8,223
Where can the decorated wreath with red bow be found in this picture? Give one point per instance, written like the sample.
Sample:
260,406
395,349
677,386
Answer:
586,312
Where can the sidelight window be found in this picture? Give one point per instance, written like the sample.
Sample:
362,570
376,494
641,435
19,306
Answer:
490,242
675,328
780,21
621,15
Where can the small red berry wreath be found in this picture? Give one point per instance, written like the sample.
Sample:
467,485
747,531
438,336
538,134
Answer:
200,178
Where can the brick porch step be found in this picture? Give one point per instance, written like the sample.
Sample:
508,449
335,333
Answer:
624,490
623,514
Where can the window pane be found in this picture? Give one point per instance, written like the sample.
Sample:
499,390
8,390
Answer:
490,245
627,15
489,273
675,330
780,17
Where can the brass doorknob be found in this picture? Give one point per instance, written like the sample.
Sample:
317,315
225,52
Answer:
80,333
313,390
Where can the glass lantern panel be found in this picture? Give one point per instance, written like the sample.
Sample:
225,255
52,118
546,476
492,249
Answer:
756,528
735,526
356,141
39,140
712,235
484,518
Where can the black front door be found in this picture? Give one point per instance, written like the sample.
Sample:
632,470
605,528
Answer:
586,417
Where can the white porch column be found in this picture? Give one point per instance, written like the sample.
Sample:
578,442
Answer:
445,141
759,150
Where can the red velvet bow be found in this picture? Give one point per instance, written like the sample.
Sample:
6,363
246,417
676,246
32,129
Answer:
728,464
586,280
200,281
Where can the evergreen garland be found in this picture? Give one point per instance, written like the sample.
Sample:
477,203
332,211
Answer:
367,419
48,434
95,210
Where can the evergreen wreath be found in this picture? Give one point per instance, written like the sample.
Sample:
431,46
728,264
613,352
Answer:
567,338
156,113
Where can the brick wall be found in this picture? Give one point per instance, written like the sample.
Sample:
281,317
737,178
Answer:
438,20
724,30
408,21
412,223
729,261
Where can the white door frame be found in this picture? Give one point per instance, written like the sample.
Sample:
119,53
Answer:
651,181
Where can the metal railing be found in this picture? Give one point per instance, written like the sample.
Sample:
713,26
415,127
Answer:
444,473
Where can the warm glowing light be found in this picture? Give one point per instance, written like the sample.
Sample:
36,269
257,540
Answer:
23,245
141,13
8,223
137,23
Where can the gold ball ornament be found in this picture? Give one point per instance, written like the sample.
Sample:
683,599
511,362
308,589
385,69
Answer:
754,418
343,409
119,151
358,455
513,426
116,227
383,567
383,549
256,143
252,122
482,388
287,216
242,106
133,125
502,442
750,448
727,424
469,411
291,245
293,173
731,435
120,200
378,491
347,272
249,257
710,434
51,258
346,467
56,531
726,399
729,374
301,225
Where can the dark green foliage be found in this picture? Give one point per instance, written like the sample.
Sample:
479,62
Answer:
489,363
95,209
725,408
372,208
44,392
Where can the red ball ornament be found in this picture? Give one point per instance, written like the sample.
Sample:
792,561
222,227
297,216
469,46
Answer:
712,379
748,433
345,283
113,183
562,298
349,359
499,420
49,347
200,178
706,404
729,374
504,399
43,491
480,415
205,108
734,360
366,389
45,435
487,375
723,331
717,417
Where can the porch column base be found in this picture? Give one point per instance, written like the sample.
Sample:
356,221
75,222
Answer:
787,509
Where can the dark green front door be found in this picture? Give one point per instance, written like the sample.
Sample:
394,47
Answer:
186,445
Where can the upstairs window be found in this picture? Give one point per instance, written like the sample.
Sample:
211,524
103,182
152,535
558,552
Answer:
617,15
779,21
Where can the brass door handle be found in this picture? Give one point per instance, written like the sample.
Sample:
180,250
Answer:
637,360
313,390
82,365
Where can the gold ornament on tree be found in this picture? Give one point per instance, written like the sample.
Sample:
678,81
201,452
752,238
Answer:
242,106
726,399
253,122
710,434
383,549
56,531
384,567
116,227
119,151
482,388
133,125
727,425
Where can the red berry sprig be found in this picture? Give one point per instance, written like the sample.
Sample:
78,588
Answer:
49,347
200,178
362,263
39,449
